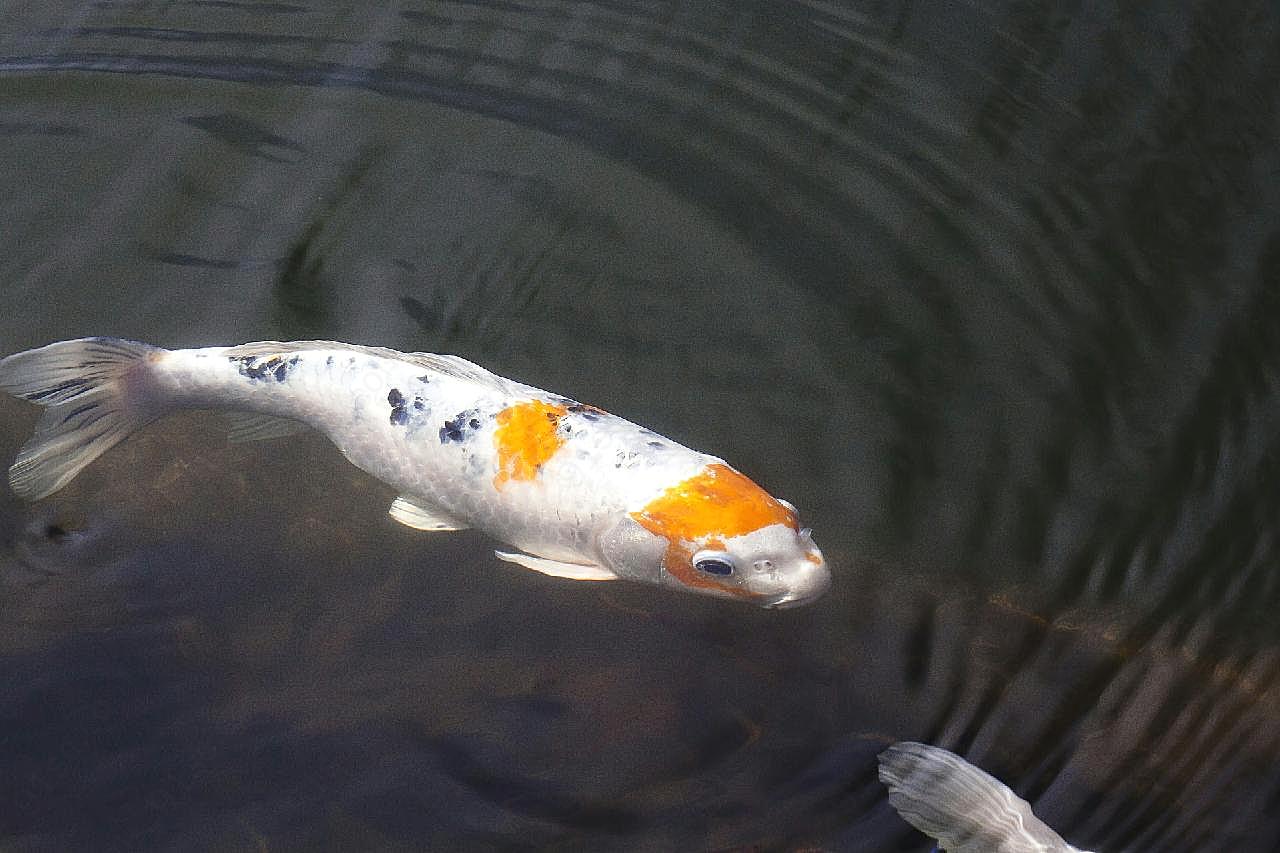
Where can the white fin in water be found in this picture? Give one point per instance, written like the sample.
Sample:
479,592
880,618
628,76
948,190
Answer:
82,384
963,808
557,569
413,513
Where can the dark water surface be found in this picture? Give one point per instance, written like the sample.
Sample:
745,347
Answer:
990,290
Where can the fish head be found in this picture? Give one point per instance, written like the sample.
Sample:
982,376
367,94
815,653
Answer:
773,566
718,533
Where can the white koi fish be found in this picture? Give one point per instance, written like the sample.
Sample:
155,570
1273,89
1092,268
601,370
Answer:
964,809
580,493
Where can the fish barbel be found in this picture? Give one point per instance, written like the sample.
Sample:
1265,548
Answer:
578,492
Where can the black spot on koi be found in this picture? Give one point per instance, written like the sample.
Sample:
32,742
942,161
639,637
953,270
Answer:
400,406
458,428
257,369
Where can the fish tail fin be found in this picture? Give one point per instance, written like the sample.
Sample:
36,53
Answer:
94,398
963,808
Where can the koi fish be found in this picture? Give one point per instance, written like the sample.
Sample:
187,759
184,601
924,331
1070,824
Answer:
578,492
964,809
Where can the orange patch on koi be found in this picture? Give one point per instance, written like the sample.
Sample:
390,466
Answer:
525,439
718,501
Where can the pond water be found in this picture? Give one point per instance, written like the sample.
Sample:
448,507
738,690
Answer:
990,290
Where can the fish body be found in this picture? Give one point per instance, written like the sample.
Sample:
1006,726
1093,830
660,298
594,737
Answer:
966,810
580,493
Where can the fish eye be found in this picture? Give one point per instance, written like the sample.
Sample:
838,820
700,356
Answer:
713,562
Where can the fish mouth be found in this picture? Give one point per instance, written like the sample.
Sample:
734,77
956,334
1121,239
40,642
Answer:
807,589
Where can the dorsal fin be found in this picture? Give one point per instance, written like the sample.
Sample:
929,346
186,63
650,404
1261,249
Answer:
452,366
457,367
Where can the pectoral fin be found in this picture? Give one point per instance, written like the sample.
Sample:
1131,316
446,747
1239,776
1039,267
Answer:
557,569
420,516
